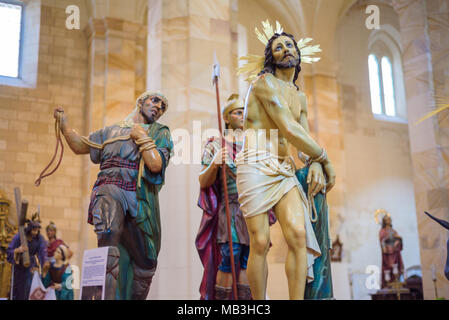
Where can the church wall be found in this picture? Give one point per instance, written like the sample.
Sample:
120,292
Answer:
377,159
423,32
27,133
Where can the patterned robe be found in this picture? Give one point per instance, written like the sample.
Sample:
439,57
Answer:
22,276
118,178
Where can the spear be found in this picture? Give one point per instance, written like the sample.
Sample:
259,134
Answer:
215,77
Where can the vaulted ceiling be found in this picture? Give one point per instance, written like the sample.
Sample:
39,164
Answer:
308,16
312,18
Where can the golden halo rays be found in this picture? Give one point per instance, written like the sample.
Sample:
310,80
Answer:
255,63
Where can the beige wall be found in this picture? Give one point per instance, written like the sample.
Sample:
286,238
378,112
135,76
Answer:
424,43
377,155
27,134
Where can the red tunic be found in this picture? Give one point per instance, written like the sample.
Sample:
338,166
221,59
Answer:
52,246
391,254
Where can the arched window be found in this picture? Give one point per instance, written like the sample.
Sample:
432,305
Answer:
374,82
381,80
386,78
388,87
10,37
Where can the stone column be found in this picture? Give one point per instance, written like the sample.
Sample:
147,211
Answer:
186,35
425,43
116,76
326,127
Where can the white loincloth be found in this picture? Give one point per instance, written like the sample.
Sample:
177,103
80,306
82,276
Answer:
262,180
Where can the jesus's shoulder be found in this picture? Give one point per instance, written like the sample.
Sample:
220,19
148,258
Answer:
265,85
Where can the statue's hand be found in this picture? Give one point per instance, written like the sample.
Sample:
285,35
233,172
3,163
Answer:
138,132
330,172
221,156
58,113
45,268
19,249
56,286
316,179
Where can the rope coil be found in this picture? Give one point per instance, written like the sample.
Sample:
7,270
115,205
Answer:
43,174
145,144
312,211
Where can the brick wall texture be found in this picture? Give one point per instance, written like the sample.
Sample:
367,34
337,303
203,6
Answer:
27,133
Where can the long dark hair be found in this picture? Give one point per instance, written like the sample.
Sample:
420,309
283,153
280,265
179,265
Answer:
384,224
270,65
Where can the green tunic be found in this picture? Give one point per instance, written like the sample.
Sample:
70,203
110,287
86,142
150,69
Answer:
148,211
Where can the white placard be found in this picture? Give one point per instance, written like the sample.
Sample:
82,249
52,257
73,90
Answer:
93,274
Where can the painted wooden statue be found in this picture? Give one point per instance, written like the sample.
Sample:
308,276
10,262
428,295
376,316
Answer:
212,239
124,207
276,115
7,231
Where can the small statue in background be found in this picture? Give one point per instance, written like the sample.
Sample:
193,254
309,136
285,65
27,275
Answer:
59,276
391,244
7,232
53,242
336,251
37,247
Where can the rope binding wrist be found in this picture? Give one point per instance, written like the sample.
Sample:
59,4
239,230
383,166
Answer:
322,158
145,144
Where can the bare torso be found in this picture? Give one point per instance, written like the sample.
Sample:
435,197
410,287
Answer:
259,120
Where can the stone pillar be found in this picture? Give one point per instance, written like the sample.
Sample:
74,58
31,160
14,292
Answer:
116,76
187,33
424,37
326,126
117,67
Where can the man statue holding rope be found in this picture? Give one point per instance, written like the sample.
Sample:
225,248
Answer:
124,207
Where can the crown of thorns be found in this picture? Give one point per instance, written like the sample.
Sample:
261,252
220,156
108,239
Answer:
255,63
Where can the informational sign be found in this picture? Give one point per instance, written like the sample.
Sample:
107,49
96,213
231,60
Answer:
93,274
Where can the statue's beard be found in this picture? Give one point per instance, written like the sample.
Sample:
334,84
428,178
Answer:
148,116
290,63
